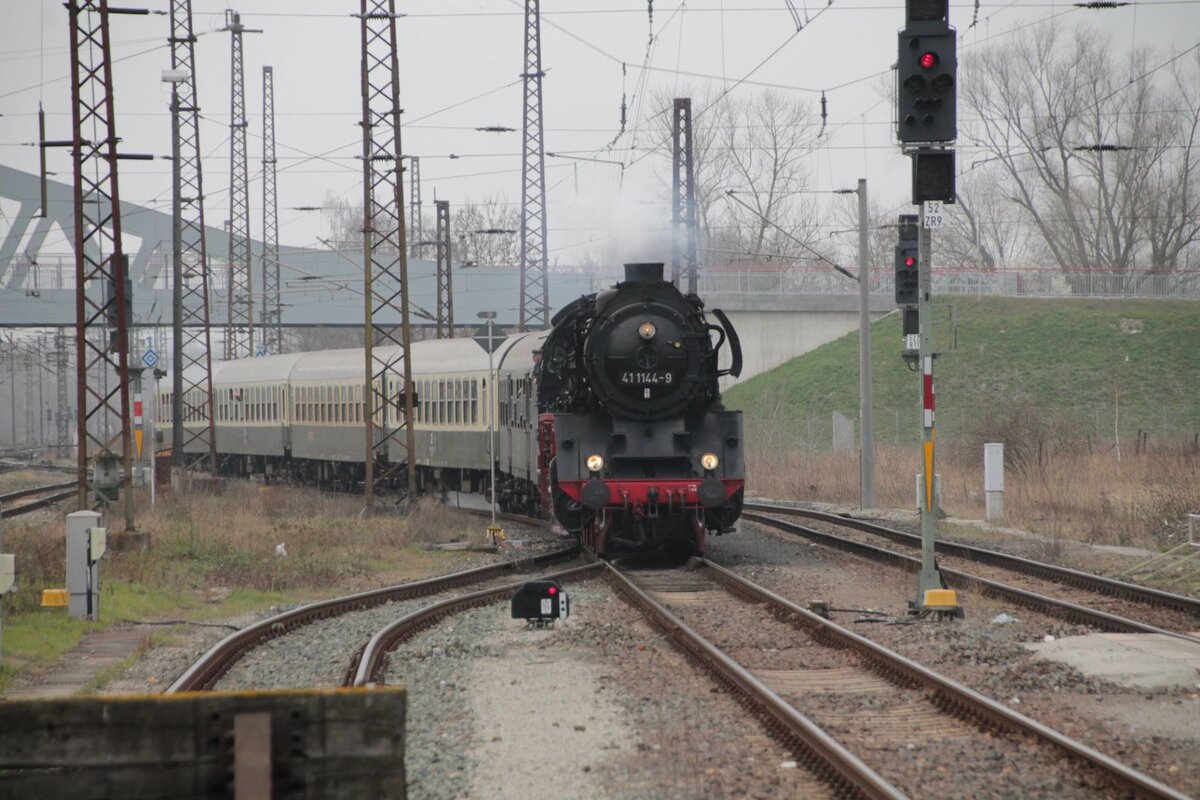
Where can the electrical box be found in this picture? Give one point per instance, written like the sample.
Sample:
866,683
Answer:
8,573
993,467
83,567
98,543
540,603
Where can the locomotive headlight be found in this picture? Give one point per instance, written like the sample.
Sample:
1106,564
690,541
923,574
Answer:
647,330
595,462
709,461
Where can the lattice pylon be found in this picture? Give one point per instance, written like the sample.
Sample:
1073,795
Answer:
535,296
445,286
239,332
415,229
388,395
102,346
62,411
199,430
272,308
683,197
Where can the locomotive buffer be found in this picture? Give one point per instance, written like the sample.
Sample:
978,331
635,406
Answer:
539,603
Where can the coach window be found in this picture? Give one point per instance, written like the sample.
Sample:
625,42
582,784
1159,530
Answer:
457,402
474,389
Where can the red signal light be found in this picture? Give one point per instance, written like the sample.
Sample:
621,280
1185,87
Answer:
553,591
928,60
909,261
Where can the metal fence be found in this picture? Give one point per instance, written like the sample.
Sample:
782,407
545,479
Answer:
58,272
1033,282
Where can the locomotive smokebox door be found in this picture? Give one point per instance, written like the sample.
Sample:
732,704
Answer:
540,603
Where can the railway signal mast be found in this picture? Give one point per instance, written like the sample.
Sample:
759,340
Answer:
387,389
926,127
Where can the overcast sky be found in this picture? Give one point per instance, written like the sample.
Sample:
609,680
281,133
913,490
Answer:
460,61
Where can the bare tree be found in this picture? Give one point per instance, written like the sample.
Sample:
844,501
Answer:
1099,163
755,145
486,232
1172,209
768,140
982,229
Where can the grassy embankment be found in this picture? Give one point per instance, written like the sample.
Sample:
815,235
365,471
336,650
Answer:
1056,380
214,556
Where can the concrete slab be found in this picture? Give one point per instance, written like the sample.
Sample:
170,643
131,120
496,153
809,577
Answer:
1135,660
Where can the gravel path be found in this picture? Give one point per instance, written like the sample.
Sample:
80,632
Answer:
597,707
1148,730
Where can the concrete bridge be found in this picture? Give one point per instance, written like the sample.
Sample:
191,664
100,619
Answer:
775,328
322,287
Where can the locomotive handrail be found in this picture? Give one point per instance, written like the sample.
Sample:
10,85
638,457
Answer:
735,345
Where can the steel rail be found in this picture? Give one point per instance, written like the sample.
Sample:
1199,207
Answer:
8,497
1063,609
367,665
783,718
953,694
41,502
206,671
1064,575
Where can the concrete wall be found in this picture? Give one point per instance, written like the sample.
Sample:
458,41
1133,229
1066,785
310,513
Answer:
314,744
775,328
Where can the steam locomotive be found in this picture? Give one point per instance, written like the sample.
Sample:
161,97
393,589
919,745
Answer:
611,421
641,454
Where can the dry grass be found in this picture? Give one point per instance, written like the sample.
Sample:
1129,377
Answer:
203,542
1143,499
14,480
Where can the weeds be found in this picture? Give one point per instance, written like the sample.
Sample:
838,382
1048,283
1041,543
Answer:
1062,490
209,548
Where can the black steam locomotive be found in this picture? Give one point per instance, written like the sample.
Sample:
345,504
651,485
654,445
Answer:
640,453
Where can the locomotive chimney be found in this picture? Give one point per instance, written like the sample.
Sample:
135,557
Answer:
644,272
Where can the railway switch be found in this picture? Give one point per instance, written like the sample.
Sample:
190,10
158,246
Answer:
540,603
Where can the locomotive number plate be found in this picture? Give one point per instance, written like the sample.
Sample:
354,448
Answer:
647,378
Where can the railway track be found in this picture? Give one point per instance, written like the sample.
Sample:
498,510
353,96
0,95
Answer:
849,663
50,494
682,604
1094,600
209,668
